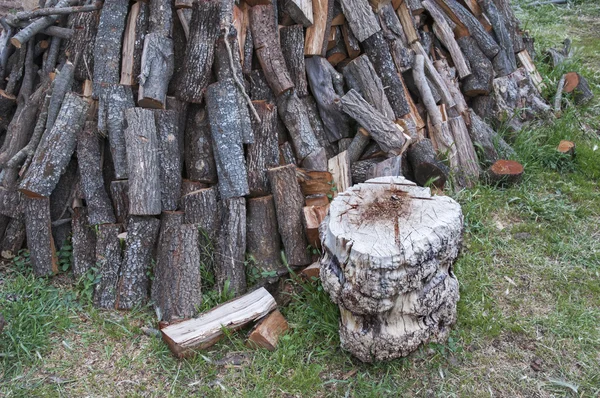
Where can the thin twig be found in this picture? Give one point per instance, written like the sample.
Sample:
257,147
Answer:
235,77
558,96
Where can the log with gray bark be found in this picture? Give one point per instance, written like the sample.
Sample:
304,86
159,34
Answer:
263,154
83,242
384,316
198,153
108,260
167,131
230,246
292,47
39,236
263,242
80,48
133,43
157,66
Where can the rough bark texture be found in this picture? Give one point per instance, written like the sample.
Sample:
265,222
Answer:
200,208
13,239
317,126
142,162
176,288
425,165
264,153
230,267
378,51
289,202
317,35
294,115
119,192
388,308
55,150
263,242
167,130
292,46
132,288
226,132
133,43
99,208
361,19
326,85
490,145
199,53
84,243
80,48
108,260
387,134
39,236
199,158
506,56
107,49
156,71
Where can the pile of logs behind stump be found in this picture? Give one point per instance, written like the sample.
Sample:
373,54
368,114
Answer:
163,134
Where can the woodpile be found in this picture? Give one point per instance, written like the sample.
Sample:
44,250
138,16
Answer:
168,135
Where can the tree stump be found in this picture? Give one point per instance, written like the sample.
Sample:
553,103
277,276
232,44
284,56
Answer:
388,250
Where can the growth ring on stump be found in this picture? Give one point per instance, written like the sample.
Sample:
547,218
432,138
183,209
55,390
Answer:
388,250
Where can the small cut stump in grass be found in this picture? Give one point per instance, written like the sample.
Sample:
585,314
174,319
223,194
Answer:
388,251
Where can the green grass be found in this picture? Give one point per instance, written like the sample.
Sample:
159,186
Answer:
530,294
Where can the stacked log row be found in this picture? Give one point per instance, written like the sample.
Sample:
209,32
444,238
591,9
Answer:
142,127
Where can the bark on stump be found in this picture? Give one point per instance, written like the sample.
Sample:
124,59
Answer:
388,251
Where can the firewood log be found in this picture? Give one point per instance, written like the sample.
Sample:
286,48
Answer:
316,38
226,131
387,134
292,46
264,153
512,24
407,22
107,49
448,75
200,208
505,61
286,154
13,238
360,18
480,80
39,236
393,32
55,150
99,207
113,102
199,53
133,43
84,243
527,63
263,242
142,145
326,85
259,88
27,33
391,167
180,39
505,172
156,70
119,192
176,288
360,76
199,158
301,11
358,145
379,54
230,245
361,169
108,260
167,129
289,202
80,48
317,126
267,332
132,287
437,83
315,182
61,201
491,145
465,151
339,167
205,330
577,84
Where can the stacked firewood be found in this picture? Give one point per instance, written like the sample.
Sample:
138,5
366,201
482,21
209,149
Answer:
157,132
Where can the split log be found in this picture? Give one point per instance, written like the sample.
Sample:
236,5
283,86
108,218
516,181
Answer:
56,10
143,165
360,18
13,239
84,243
427,169
316,38
301,11
387,134
350,41
167,131
326,85
464,19
577,84
230,266
119,192
181,110
292,46
268,49
176,288
132,288
378,51
336,50
289,202
61,201
199,53
107,49
267,332
293,113
199,157
264,152
55,150
80,48
505,172
339,167
383,315
480,80
114,101
108,260
156,71
133,43
490,144
465,151
407,22
39,236
567,148
312,272
391,167
180,39
358,145
205,330
316,200
313,216
360,75
263,242
226,131
100,210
